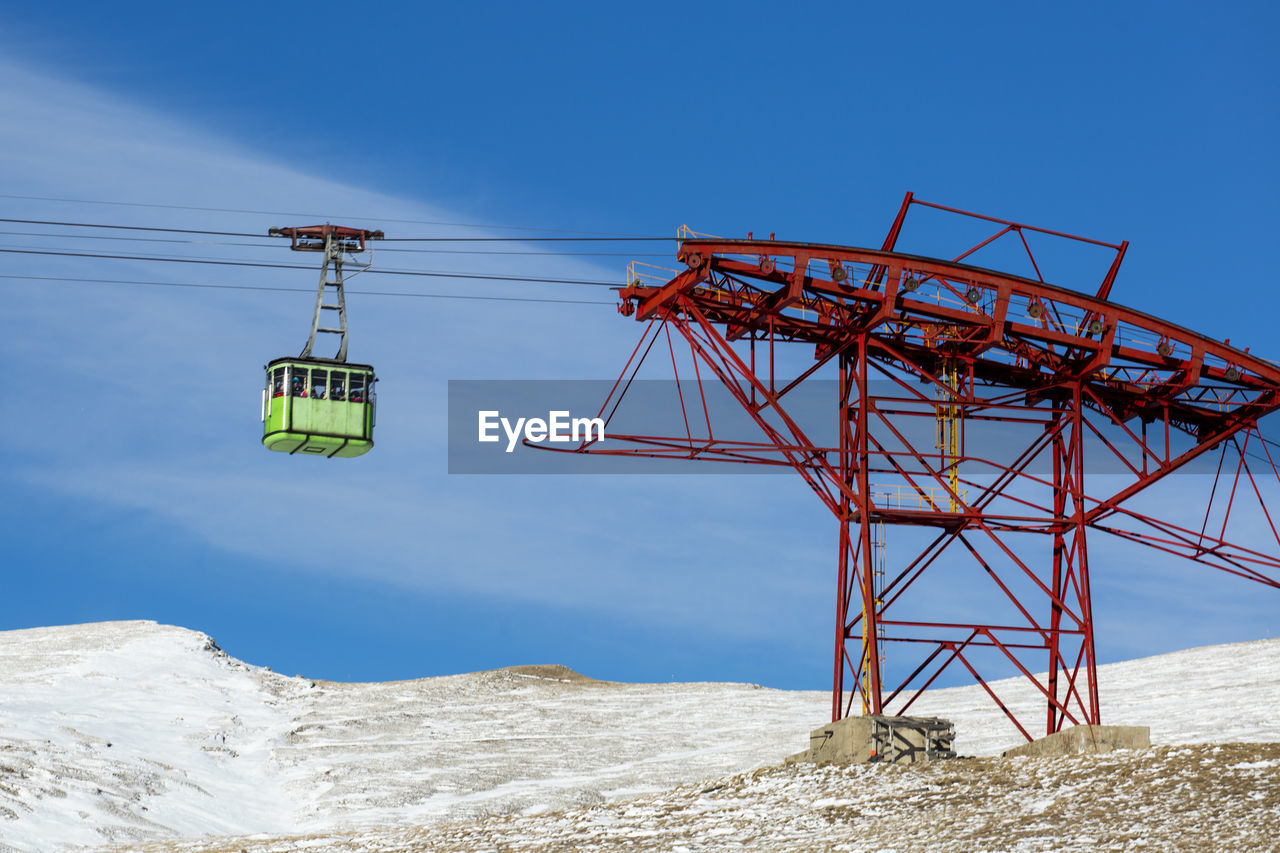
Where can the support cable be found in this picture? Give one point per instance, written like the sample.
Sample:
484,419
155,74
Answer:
547,254
304,215
264,265
380,293
622,239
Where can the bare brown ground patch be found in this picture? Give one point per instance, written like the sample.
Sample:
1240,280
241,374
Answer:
552,672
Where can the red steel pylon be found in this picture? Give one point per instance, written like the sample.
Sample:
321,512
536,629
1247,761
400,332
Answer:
973,408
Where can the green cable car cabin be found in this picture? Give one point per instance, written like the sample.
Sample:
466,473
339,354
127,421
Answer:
318,407
321,406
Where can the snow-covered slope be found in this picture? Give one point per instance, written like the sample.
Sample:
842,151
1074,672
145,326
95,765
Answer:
132,730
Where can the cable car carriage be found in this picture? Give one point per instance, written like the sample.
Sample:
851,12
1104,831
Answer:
321,406
318,406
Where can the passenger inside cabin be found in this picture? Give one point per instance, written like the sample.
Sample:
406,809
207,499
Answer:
318,380
337,391
277,388
299,388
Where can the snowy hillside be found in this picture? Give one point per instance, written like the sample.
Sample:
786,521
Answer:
132,731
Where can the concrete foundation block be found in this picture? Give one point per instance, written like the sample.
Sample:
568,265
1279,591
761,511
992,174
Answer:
1081,740
859,740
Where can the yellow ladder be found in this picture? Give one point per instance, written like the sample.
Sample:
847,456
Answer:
877,586
950,428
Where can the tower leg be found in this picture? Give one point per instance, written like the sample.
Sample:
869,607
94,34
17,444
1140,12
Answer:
1082,558
845,571
1059,590
872,699
1073,676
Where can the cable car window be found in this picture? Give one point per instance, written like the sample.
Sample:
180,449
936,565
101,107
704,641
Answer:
337,385
277,382
298,385
319,378
357,387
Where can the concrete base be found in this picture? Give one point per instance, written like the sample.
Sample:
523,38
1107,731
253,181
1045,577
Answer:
898,740
1080,740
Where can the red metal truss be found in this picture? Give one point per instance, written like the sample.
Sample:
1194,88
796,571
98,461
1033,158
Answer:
991,421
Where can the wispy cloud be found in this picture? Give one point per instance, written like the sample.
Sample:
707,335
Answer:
149,396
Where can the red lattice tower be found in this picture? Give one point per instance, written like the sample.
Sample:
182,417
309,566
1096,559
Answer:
1063,380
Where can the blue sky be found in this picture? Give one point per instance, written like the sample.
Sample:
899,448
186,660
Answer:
134,483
